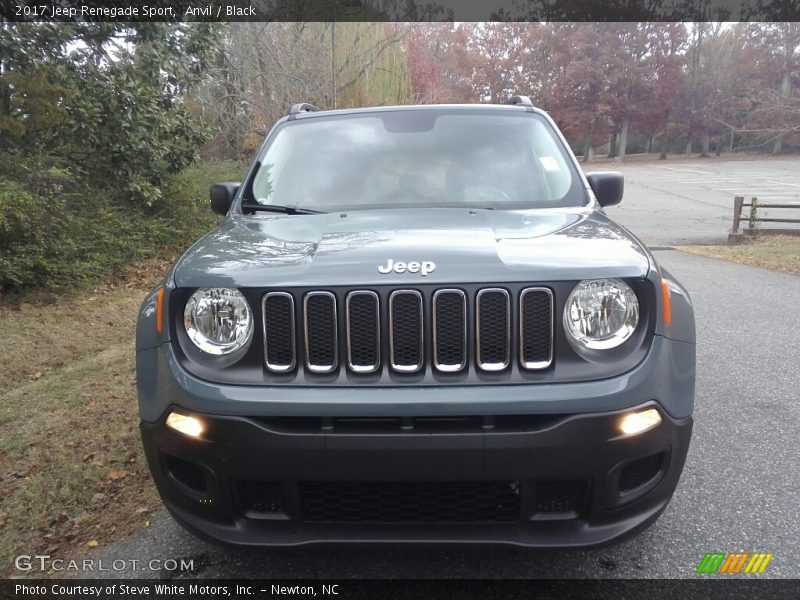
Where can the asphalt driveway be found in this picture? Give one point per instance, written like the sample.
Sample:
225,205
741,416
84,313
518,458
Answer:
691,201
740,490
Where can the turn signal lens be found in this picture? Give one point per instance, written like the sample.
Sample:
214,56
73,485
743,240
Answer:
667,304
639,422
191,426
160,310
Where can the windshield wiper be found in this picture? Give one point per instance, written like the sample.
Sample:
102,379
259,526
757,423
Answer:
277,208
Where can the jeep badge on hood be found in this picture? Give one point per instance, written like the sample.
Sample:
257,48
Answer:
424,267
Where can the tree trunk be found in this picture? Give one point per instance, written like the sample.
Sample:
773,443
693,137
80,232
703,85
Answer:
612,145
730,147
664,146
718,149
786,86
623,139
688,151
650,144
5,90
588,153
777,148
333,63
705,143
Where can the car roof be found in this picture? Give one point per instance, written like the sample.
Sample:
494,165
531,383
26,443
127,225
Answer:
414,107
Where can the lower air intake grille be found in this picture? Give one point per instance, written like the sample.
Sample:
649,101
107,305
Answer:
189,474
559,496
640,472
410,502
259,497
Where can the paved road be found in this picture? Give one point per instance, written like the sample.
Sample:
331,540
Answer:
691,202
740,490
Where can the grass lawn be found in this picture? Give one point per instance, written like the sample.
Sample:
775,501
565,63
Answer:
73,477
777,252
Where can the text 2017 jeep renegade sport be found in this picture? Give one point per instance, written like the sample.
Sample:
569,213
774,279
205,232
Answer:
416,324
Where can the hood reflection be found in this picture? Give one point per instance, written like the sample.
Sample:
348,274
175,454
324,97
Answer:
467,245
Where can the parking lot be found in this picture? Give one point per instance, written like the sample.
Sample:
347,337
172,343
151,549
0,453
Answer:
740,490
691,202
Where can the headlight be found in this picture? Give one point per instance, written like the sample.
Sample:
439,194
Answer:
601,313
218,320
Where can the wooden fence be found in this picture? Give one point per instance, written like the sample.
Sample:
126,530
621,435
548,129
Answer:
753,219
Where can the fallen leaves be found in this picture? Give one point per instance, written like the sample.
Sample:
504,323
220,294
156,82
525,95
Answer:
22,474
114,474
75,473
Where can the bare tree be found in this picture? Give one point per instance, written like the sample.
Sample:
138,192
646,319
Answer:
263,68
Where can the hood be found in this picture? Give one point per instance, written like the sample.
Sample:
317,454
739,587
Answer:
466,246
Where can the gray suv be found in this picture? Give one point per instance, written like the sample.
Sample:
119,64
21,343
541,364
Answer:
416,324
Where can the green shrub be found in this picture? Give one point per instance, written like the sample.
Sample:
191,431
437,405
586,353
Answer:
186,206
57,233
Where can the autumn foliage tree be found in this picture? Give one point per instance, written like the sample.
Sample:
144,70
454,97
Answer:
662,86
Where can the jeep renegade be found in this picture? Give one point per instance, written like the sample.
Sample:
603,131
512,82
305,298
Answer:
416,324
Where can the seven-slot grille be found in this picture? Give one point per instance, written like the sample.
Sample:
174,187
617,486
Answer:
405,316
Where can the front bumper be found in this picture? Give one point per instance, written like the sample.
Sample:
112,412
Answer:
666,374
545,480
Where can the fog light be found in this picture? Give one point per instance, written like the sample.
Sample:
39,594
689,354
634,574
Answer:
191,426
639,422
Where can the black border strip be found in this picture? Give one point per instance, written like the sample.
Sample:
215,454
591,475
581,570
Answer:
406,589
399,10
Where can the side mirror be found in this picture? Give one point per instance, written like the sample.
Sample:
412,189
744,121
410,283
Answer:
222,195
607,186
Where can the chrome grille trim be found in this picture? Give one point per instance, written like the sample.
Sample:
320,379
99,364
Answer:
472,326
278,368
350,364
538,364
406,368
314,368
495,366
449,368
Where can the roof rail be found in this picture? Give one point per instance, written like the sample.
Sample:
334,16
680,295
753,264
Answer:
301,107
520,101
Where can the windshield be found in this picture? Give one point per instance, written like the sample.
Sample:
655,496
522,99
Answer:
416,158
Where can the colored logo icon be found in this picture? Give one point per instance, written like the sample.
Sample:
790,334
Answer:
734,562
